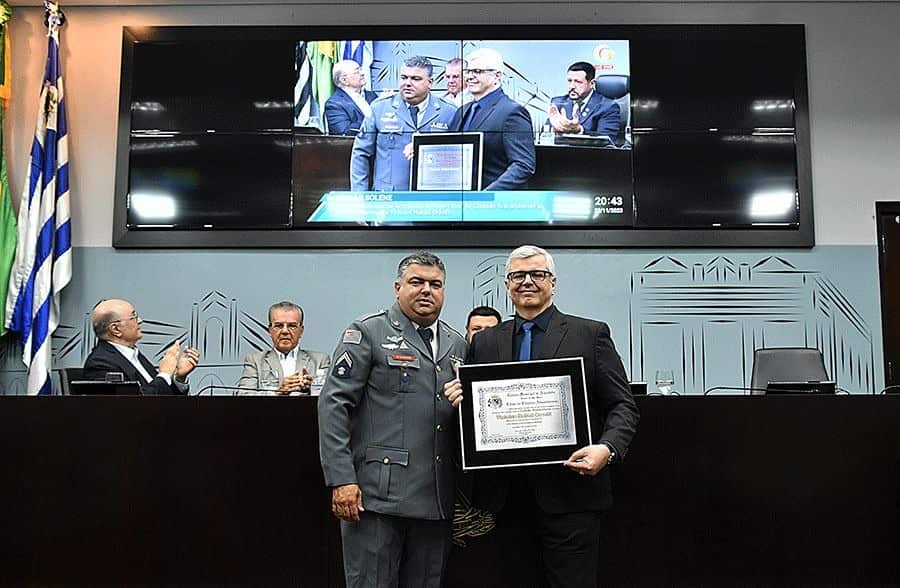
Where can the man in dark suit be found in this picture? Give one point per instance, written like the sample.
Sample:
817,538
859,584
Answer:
118,329
583,110
508,140
549,517
346,109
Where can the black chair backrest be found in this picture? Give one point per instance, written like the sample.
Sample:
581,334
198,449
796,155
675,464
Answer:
616,87
67,375
786,364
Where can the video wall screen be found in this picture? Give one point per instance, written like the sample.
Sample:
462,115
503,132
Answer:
283,136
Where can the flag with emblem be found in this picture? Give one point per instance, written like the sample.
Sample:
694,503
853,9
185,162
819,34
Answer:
43,263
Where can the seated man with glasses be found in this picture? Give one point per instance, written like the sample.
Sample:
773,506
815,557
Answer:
285,368
118,329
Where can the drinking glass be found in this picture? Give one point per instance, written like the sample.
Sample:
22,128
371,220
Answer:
665,381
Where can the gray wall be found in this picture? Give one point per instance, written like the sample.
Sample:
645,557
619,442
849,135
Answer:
830,297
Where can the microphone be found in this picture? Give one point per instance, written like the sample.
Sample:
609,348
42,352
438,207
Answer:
237,389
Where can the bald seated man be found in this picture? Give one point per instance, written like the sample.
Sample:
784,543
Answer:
118,329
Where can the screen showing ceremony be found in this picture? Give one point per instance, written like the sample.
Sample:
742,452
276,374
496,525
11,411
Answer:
399,133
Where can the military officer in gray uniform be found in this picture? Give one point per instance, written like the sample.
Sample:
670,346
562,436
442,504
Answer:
386,434
380,159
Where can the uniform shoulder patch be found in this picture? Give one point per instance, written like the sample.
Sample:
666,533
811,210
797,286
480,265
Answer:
352,336
343,367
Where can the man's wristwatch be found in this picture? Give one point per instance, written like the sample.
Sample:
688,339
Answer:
612,452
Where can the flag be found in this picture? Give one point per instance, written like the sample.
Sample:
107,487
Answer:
361,53
5,57
43,264
7,216
321,57
304,106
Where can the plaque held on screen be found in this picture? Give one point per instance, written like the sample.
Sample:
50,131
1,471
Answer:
523,413
446,162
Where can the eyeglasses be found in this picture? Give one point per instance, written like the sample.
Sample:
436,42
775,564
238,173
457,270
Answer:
477,72
134,316
536,276
281,326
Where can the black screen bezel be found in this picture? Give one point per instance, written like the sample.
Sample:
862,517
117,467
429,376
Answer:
456,236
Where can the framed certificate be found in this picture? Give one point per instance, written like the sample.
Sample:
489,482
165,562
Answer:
446,162
523,413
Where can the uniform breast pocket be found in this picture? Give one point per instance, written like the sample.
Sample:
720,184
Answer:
403,369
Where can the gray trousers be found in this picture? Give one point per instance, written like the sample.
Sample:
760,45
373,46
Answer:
383,551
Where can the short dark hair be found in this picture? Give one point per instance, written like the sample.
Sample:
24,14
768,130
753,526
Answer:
420,258
420,62
484,311
286,305
589,72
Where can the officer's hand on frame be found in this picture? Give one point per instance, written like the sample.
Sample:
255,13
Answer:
453,392
346,502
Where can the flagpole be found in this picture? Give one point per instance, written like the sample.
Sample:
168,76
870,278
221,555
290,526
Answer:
43,265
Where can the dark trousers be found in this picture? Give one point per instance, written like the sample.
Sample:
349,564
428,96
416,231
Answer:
543,550
383,551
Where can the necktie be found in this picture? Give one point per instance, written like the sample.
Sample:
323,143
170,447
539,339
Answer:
576,109
471,116
525,349
414,115
427,335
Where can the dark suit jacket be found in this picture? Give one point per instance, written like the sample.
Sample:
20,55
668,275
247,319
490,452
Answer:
343,115
106,358
614,414
508,143
600,116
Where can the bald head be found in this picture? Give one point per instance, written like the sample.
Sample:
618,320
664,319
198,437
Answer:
116,321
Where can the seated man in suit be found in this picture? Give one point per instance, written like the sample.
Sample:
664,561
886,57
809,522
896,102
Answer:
386,136
346,109
285,368
118,329
508,161
583,110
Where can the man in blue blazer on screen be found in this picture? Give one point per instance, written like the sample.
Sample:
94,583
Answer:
346,109
380,159
583,110
508,138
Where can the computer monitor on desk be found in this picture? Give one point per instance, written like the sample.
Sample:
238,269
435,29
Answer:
95,388
800,388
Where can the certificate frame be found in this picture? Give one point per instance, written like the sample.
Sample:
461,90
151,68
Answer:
420,140
474,459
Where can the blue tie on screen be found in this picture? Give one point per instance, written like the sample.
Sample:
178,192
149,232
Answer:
414,115
426,334
525,349
471,116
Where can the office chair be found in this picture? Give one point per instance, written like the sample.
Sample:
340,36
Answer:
616,87
786,364
67,375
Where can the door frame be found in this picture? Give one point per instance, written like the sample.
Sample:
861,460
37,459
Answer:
883,209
